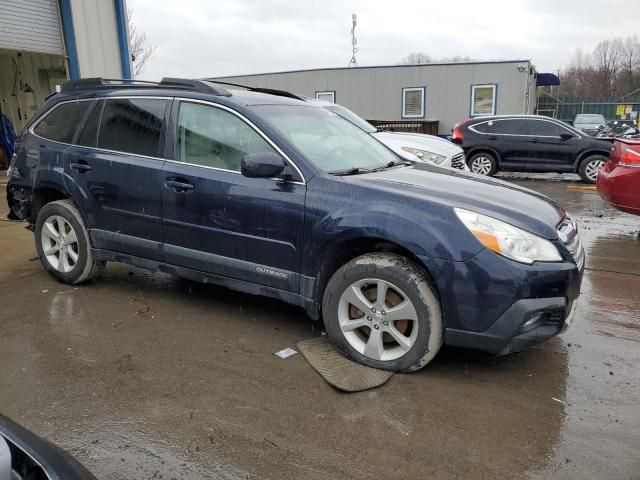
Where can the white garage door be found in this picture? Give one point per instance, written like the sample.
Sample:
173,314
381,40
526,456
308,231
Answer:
31,25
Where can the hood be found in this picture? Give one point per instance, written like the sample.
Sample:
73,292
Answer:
510,203
429,143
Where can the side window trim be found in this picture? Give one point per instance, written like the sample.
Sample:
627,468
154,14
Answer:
172,131
34,125
174,136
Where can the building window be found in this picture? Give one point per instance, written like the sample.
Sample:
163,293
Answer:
483,100
413,102
329,96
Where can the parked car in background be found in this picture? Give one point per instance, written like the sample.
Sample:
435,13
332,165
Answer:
269,195
619,179
529,143
589,123
411,146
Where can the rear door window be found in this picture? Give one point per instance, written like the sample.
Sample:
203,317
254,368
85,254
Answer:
132,125
61,123
509,127
544,128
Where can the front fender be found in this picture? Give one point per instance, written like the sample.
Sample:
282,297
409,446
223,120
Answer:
338,213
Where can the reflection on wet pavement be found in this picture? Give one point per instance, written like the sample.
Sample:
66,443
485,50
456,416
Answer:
144,375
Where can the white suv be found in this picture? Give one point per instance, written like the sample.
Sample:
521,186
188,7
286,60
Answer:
411,146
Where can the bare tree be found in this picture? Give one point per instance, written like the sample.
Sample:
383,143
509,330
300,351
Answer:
416,58
630,74
141,50
455,59
611,71
606,62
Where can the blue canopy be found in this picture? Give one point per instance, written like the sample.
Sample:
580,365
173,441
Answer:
547,80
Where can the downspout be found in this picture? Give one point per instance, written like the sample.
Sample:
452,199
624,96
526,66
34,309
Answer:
66,17
123,38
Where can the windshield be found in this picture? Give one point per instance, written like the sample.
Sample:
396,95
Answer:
590,119
330,142
349,116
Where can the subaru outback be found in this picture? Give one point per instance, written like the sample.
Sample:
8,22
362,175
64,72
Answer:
263,193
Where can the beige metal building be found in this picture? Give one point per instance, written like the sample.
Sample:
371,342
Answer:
444,92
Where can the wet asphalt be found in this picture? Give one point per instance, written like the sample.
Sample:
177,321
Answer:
146,376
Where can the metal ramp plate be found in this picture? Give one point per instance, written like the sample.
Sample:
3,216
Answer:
338,370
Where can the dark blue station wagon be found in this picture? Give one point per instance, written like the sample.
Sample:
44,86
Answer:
269,195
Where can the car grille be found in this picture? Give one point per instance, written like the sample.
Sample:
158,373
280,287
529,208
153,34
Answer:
568,233
458,161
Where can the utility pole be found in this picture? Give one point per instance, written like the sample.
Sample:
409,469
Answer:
354,42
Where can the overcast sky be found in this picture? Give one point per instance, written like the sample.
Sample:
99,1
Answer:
200,38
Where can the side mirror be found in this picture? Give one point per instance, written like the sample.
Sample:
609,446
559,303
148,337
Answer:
566,136
262,165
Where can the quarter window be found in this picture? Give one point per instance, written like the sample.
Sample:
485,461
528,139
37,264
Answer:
132,125
329,96
413,102
62,122
483,100
213,137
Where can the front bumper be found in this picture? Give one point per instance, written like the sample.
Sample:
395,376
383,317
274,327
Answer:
496,305
526,323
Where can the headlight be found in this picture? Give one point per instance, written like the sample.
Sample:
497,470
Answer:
507,240
424,155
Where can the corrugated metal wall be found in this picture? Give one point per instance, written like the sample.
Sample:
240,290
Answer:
94,23
31,25
375,93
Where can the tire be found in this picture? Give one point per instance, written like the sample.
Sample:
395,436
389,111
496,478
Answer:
421,331
483,163
79,266
589,165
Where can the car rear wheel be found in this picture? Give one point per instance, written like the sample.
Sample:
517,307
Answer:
483,163
590,167
62,242
380,310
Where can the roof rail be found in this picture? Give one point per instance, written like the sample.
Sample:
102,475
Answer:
270,91
98,83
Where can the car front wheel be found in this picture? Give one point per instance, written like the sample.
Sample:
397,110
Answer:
62,242
380,310
483,163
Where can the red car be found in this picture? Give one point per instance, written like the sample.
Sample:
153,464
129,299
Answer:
619,179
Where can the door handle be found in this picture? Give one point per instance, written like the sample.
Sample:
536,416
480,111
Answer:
492,137
535,140
81,166
178,185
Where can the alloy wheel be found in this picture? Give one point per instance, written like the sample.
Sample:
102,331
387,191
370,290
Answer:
481,165
59,244
592,169
378,319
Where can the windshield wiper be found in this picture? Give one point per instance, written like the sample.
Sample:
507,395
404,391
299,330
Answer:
393,163
351,171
